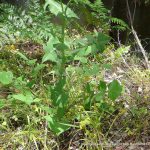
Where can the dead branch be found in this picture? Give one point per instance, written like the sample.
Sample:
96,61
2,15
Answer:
137,38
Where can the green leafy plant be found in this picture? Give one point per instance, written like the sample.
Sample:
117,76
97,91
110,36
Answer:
71,91
62,53
59,52
6,77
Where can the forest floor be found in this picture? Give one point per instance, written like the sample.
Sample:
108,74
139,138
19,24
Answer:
127,126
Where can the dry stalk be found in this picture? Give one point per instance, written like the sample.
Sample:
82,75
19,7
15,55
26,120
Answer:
137,38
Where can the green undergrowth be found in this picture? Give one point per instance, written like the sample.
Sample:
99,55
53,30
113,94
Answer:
66,89
26,105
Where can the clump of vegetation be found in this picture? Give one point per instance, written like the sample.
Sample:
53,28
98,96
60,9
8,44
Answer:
61,88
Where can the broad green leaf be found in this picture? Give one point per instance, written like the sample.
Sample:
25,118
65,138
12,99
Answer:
99,96
81,59
26,97
102,86
92,70
104,106
56,126
31,83
56,9
58,95
102,90
102,40
19,83
88,51
50,51
84,51
88,103
49,110
31,62
51,56
61,47
90,38
59,99
6,77
114,90
50,44
61,108
48,47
